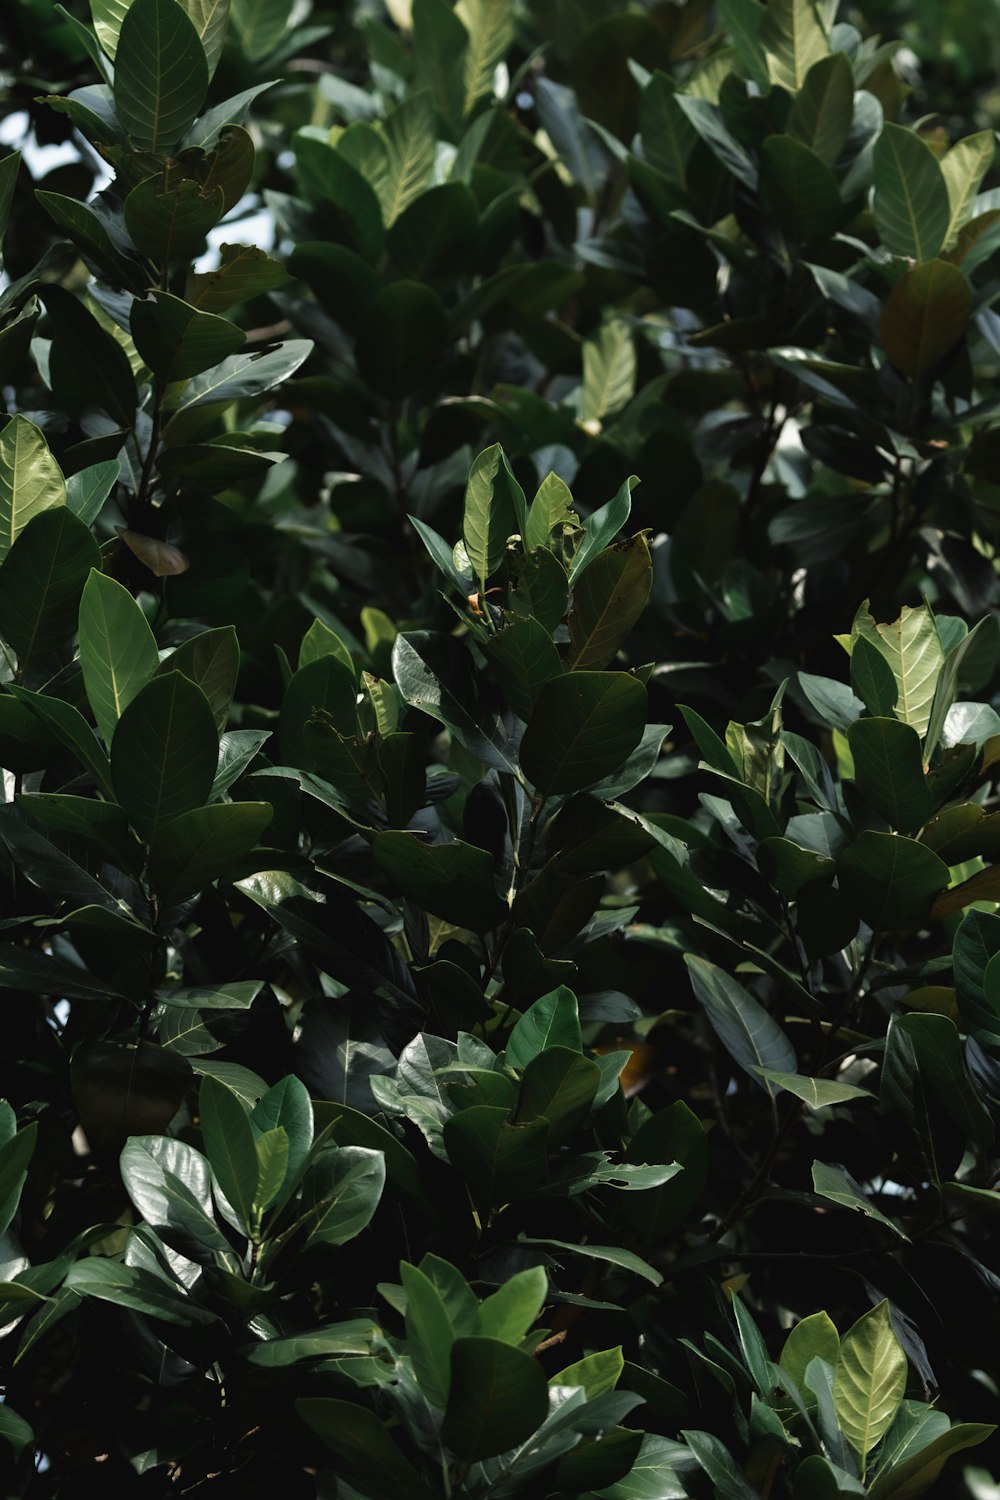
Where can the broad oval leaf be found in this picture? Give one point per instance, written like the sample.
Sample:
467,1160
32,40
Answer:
585,724
925,314
912,211
499,1396
164,752
869,1379
750,1035
118,652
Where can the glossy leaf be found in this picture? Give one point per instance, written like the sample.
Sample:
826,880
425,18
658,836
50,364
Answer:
524,659
176,340
117,650
837,1184
821,114
190,850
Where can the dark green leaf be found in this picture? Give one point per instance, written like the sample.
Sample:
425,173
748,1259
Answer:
164,752
584,726
925,314
161,74
498,1398
41,580
750,1035
229,1145
455,881
117,650
890,880
912,212
888,767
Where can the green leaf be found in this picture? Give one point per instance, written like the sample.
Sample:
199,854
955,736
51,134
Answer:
494,509
41,580
964,168
80,224
609,367
553,1021
559,1085
8,177
584,725
437,235
161,74
210,19
211,660
799,189
912,211
242,375
603,526
272,1168
361,1440
87,490
194,848
870,1380
319,641
930,1044
441,43
117,650
354,1336
136,1288
326,177
789,867
498,1160
341,1193
818,1093
744,18
913,650
323,688
872,679
673,1134
889,771
609,596
925,314
68,725
30,479
164,753
890,881
719,1465
821,113
108,17
98,361
430,1333
408,132
170,1184
244,271
509,1312
916,1473
750,1035
230,1148
524,659
405,336
170,223
176,340
837,1184
490,25
542,590
614,1255
793,38
813,1336
551,507
454,881
498,1397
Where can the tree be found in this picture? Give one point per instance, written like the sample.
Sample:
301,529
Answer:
498,717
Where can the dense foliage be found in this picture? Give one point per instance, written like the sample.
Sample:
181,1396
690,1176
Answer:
498,709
